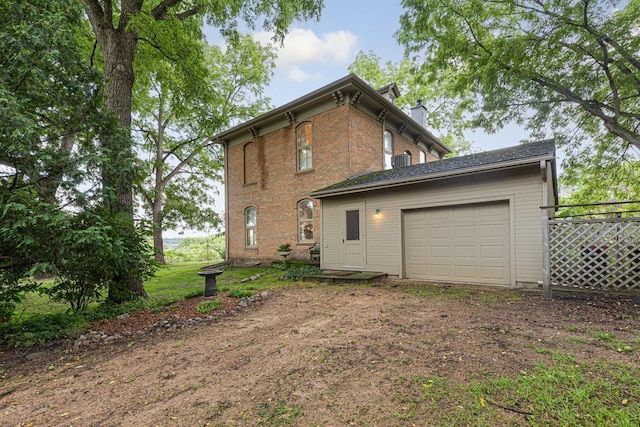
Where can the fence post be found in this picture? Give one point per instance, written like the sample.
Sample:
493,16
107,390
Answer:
546,260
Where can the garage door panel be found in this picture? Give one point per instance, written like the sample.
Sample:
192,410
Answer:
493,273
468,243
441,271
464,231
463,212
439,232
419,252
465,252
440,252
438,214
492,252
466,273
493,230
493,211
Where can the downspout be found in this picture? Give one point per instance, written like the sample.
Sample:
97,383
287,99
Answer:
226,202
546,261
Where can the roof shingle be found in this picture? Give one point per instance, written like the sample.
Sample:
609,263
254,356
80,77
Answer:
452,166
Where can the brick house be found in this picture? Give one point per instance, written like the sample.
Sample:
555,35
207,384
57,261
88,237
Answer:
274,161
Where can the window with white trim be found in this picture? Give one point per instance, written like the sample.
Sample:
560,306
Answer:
305,221
388,149
304,147
250,163
250,227
423,157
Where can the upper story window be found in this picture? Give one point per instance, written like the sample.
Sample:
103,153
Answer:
388,149
305,221
251,227
408,153
423,157
304,147
250,163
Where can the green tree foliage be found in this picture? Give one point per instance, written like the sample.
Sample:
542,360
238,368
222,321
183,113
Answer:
51,218
166,25
442,115
210,248
178,110
567,67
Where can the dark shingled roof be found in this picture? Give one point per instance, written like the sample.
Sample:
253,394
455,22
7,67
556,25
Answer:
448,167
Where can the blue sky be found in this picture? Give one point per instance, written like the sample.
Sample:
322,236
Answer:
317,53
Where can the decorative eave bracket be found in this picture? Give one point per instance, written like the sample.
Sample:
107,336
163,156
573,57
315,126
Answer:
401,127
291,116
357,97
338,97
382,114
254,131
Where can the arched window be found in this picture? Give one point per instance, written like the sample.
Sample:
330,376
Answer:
388,149
408,153
250,163
423,157
305,221
250,227
304,147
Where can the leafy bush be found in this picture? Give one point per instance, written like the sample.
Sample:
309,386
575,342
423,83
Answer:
296,272
240,293
207,306
39,328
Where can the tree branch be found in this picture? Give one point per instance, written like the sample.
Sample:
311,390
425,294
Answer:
160,11
159,49
189,13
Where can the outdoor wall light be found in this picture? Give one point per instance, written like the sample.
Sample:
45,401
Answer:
377,211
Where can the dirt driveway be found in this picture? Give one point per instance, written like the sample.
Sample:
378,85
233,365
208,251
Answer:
319,355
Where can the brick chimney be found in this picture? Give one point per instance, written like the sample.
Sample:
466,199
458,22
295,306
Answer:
419,113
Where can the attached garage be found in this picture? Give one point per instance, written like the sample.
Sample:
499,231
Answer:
468,219
460,243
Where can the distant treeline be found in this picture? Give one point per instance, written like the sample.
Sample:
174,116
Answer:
210,248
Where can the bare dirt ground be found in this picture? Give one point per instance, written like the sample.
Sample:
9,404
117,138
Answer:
321,355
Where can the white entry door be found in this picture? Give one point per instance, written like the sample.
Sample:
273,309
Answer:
353,235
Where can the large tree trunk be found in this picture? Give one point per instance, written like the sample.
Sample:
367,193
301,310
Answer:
158,198
158,245
118,47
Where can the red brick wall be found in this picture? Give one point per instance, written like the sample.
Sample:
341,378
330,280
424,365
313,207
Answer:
345,142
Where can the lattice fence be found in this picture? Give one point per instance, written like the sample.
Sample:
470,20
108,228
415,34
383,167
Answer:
595,253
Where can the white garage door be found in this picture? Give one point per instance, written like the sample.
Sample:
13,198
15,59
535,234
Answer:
465,243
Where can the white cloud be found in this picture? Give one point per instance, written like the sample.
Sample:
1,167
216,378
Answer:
305,47
298,75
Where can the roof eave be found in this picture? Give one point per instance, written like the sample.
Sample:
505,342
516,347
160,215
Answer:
430,177
322,93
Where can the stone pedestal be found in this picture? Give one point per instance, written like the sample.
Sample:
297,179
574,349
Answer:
210,283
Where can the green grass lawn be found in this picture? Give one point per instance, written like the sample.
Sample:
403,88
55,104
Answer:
38,319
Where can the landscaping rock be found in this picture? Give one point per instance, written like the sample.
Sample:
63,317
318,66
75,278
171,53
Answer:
36,355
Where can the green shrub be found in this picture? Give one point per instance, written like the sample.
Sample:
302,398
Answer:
39,328
240,293
296,272
207,306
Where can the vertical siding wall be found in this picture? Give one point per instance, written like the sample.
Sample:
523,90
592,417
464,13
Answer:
522,187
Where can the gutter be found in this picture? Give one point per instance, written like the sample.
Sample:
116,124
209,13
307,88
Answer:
325,92
426,178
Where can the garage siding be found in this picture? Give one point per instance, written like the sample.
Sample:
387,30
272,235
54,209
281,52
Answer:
384,244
